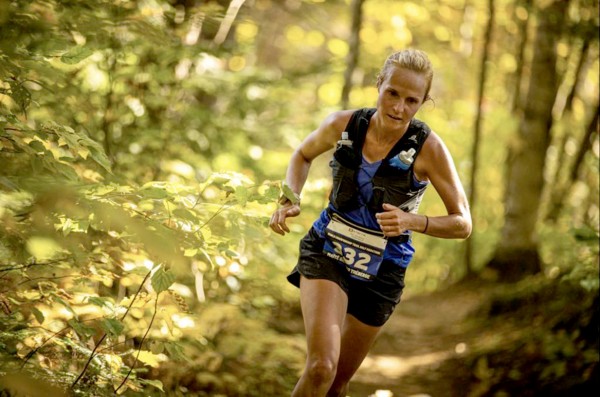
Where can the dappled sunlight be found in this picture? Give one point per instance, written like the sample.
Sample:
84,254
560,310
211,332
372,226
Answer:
382,393
393,367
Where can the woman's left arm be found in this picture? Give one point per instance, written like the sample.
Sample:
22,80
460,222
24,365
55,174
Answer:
435,164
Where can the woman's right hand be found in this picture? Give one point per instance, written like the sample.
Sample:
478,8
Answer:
278,219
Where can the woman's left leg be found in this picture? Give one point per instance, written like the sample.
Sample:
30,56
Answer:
357,339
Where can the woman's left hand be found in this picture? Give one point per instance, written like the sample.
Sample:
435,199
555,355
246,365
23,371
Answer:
393,221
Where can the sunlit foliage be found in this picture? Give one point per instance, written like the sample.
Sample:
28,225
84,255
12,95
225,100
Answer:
141,146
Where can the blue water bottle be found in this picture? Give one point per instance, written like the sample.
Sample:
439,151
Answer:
404,159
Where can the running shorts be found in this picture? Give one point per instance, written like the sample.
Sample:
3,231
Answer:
371,302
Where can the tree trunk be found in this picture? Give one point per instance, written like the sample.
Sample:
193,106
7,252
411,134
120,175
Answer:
227,23
268,52
477,132
579,75
563,108
517,253
352,59
523,24
558,198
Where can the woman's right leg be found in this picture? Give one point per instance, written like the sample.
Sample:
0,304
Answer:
324,306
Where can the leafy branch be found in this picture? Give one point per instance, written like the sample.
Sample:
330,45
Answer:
93,354
54,334
31,264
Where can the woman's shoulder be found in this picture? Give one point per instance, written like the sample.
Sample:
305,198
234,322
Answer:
433,154
332,126
339,119
433,142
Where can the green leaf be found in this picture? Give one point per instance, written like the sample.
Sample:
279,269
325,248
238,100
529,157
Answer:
231,253
153,382
102,190
175,351
76,55
81,329
289,193
272,193
585,234
228,189
156,347
37,146
62,302
112,326
100,157
162,280
39,316
64,169
153,193
185,214
148,358
98,301
241,194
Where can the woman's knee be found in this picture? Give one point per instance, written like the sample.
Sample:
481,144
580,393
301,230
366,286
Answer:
321,370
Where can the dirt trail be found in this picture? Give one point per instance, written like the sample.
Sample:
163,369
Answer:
422,333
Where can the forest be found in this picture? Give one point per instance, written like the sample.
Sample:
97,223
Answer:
143,146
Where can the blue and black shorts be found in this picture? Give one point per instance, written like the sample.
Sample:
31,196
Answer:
371,302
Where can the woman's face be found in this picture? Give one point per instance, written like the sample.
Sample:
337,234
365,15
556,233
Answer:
401,95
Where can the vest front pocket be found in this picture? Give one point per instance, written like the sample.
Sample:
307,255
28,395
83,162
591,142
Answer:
394,190
344,192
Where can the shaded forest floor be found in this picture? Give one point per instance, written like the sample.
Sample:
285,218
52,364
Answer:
447,343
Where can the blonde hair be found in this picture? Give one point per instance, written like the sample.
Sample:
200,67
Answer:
411,59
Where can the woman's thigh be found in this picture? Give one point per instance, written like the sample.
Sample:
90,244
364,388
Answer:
324,306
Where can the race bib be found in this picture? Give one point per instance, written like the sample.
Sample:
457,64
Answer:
358,248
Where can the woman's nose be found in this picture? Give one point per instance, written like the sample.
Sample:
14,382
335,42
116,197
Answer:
399,105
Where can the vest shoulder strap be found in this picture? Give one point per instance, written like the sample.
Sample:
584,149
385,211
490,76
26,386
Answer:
357,127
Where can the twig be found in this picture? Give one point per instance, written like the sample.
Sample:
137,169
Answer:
26,266
48,278
141,344
223,208
114,344
200,195
10,268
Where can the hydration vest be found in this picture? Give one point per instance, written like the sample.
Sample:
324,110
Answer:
393,183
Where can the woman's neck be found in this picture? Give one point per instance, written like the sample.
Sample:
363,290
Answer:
382,135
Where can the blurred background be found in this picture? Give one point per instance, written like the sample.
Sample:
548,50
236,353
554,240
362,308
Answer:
142,149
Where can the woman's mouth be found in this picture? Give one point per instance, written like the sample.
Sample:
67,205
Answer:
395,117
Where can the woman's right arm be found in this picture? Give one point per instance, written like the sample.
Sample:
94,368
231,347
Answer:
316,143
